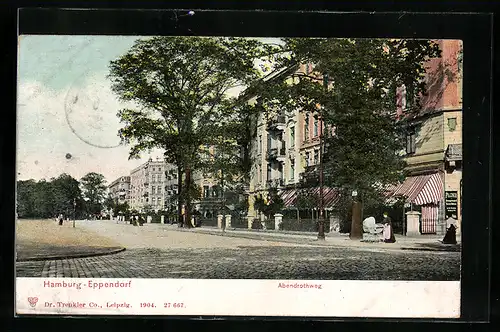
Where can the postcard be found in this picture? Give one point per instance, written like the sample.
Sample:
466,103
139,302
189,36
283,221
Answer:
239,176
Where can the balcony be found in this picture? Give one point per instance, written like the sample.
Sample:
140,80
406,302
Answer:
272,154
278,123
281,157
275,183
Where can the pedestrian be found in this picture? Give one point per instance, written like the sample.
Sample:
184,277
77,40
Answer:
388,233
451,235
61,218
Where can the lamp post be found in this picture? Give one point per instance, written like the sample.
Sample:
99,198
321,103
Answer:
356,229
74,211
321,228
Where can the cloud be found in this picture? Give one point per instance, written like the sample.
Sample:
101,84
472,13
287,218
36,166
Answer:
45,139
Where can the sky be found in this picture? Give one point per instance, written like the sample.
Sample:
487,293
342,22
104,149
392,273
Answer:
66,112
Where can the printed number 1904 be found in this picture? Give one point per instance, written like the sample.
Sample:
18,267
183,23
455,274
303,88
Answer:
173,305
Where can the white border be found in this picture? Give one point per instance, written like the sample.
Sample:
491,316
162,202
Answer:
213,297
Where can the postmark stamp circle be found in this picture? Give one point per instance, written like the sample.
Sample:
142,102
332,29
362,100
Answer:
88,116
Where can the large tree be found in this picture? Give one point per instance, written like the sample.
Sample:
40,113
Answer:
25,203
94,191
66,194
44,199
352,88
180,90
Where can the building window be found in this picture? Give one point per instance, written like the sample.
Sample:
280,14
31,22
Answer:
307,158
280,172
206,192
158,190
411,141
409,99
153,201
292,136
315,127
452,124
292,169
306,128
316,157
269,172
153,190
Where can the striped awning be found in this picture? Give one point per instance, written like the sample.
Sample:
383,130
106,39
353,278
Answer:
422,189
331,196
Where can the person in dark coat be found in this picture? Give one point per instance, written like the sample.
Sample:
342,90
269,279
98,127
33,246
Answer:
451,235
388,234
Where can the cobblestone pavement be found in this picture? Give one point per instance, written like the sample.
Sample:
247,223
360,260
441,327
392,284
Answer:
255,262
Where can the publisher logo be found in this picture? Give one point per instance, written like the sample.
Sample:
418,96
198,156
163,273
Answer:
32,301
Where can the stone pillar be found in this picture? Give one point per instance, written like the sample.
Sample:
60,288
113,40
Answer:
412,223
278,219
149,219
162,219
249,222
334,224
219,221
228,221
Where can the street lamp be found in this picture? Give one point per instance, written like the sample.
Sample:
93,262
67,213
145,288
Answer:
321,228
74,211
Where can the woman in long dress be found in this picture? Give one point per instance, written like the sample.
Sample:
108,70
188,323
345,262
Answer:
388,234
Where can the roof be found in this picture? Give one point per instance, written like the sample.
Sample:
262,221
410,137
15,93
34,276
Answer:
271,77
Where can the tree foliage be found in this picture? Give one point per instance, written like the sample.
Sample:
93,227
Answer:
94,190
356,99
179,87
46,199
270,204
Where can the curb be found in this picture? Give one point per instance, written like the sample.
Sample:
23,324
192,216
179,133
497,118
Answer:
60,257
310,242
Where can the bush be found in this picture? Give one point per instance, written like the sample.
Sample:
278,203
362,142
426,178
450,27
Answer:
303,225
256,224
239,223
156,218
211,222
269,223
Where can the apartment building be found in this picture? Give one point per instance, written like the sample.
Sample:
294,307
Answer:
287,154
287,148
120,189
171,187
434,144
147,186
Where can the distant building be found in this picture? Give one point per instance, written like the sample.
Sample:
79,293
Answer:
147,186
120,189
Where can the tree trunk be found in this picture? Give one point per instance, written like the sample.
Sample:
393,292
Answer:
179,201
188,197
356,227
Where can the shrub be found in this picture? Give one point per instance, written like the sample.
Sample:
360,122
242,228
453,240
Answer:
303,225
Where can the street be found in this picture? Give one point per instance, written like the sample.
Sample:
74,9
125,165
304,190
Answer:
153,252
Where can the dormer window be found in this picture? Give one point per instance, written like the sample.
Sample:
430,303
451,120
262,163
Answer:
411,140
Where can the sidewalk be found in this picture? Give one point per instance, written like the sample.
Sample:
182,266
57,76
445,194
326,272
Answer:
45,240
420,243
